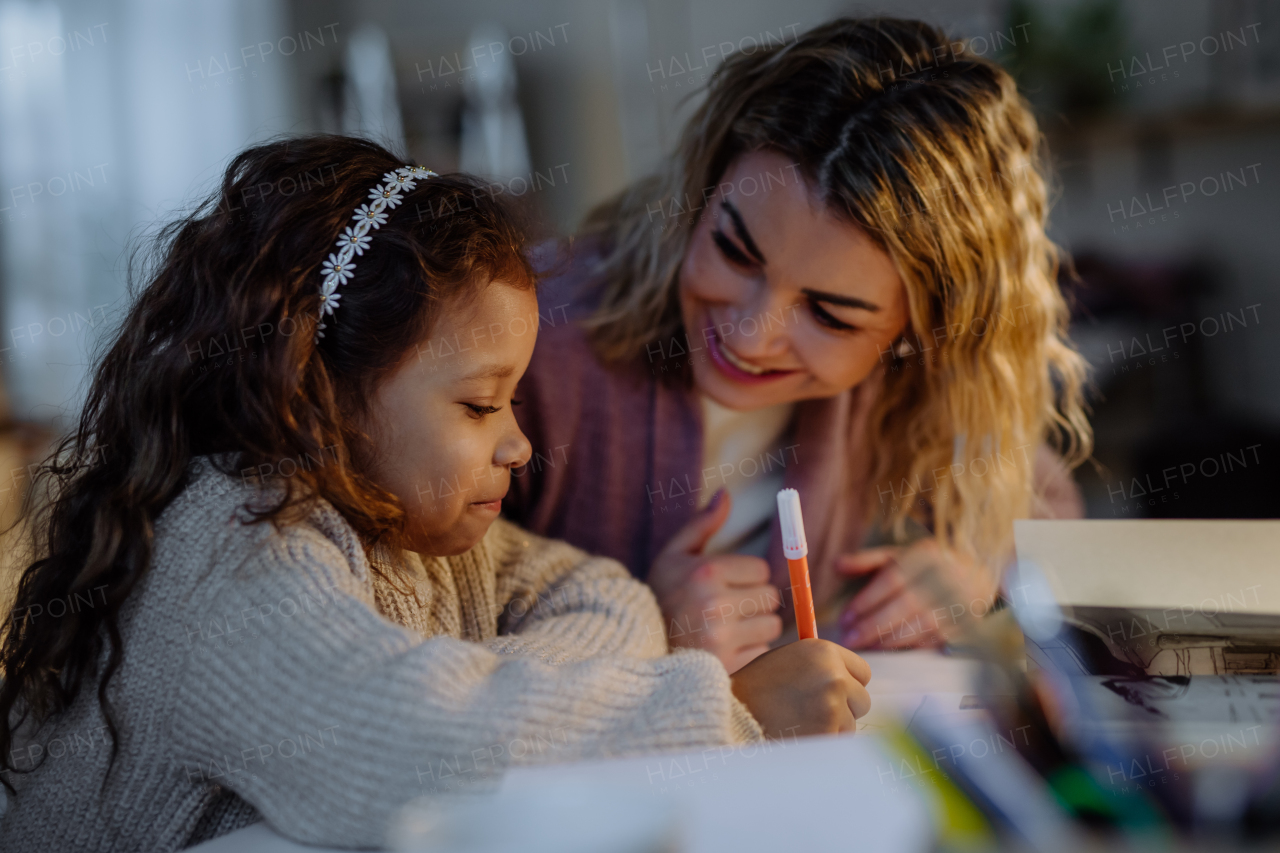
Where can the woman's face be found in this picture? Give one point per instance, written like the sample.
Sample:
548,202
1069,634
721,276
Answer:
787,302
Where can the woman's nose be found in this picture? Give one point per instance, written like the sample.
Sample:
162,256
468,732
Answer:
764,325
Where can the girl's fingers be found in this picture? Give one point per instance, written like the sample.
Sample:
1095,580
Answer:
857,666
859,702
867,560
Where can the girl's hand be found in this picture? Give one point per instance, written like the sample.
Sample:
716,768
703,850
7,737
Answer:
723,604
919,594
808,687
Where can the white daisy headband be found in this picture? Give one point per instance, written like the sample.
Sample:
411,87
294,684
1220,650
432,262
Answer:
338,269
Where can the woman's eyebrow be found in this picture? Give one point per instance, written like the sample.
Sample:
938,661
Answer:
740,228
837,299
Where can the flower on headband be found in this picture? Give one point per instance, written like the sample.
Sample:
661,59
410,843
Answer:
328,302
372,214
389,193
402,178
357,239
329,295
337,270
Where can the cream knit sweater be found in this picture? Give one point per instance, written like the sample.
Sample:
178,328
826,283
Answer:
270,674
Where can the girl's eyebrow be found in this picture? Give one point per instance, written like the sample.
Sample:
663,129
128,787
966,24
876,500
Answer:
492,371
740,228
837,299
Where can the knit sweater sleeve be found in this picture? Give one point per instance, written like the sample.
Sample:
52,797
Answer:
561,603
334,716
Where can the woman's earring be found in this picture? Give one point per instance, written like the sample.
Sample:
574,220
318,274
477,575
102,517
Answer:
902,347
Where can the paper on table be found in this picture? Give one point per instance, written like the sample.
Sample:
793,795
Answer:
906,683
1157,563
813,793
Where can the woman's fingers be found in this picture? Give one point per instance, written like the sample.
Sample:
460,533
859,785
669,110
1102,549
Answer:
744,657
900,622
867,560
759,630
740,570
884,586
735,604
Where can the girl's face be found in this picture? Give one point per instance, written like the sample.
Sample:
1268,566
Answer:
444,436
787,302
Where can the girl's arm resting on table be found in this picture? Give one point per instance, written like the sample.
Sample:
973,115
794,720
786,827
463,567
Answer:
333,717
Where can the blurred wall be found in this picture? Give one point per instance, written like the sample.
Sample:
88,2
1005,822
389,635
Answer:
117,114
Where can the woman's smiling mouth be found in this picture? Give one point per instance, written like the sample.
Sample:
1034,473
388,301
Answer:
735,367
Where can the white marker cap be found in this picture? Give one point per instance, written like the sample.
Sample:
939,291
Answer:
794,545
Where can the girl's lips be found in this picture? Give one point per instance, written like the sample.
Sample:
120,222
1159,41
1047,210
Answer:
489,506
722,362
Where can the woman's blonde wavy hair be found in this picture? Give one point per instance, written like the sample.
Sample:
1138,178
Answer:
934,153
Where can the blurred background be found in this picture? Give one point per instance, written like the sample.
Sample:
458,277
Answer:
1163,120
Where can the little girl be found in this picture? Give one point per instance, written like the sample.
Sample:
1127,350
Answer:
272,580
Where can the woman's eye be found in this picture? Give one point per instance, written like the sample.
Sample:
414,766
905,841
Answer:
730,251
478,412
826,318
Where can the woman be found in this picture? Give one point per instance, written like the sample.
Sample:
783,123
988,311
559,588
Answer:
841,283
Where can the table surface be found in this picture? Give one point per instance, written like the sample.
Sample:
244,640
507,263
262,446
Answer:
808,793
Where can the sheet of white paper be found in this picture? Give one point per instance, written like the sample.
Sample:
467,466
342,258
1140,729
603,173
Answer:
1211,565
815,793
904,683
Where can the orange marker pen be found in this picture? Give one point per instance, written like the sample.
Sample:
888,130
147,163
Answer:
796,549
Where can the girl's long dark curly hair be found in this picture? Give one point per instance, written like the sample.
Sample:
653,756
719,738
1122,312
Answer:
217,355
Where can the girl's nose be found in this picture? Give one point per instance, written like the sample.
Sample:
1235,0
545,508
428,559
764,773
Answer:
514,450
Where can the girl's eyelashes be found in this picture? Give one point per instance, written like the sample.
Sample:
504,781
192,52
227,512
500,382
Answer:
479,412
515,402
731,251
826,318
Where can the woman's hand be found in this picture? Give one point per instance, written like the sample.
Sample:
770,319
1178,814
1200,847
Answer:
808,687
920,593
723,604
